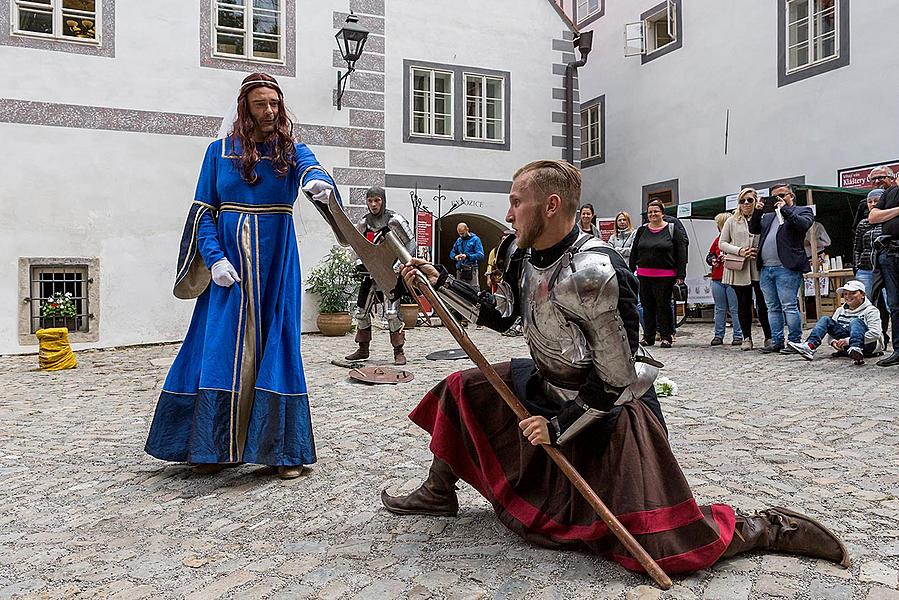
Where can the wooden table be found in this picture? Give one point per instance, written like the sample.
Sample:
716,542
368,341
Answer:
837,278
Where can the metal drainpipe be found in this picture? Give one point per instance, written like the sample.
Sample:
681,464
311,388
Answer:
570,69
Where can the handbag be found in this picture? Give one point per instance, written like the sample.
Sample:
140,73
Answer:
734,262
680,292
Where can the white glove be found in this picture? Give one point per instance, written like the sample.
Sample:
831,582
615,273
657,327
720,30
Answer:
224,274
319,189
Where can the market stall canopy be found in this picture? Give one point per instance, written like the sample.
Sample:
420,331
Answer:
835,208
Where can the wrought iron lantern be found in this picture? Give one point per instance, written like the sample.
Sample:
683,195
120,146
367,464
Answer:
351,41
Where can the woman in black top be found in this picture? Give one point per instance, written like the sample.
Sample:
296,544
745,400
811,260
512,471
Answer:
659,257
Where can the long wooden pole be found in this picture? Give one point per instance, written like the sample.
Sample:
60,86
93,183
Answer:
615,526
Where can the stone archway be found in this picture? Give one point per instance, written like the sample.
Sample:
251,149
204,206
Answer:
489,230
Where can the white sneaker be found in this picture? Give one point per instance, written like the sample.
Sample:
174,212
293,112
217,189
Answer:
804,349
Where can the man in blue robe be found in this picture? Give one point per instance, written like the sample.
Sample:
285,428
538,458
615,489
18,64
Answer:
236,391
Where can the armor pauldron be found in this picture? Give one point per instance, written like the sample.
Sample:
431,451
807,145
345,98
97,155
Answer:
571,319
588,295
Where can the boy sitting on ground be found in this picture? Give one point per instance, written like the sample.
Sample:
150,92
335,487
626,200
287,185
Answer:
855,328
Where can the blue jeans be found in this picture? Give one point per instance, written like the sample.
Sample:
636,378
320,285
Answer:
855,332
780,286
889,269
866,276
725,298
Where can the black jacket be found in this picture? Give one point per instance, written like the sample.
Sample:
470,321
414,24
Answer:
790,236
673,256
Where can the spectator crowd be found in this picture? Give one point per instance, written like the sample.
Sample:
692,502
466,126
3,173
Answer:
759,262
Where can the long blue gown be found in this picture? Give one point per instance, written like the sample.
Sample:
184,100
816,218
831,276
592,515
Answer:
236,391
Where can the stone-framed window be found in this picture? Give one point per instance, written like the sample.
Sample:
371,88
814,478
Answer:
657,33
812,38
432,103
483,108
59,292
75,26
587,11
249,30
593,132
666,191
240,35
453,105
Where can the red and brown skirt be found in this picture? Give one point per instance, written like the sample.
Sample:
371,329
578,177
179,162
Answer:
630,466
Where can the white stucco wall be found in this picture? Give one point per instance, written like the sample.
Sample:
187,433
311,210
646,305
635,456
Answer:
666,119
156,66
122,196
521,45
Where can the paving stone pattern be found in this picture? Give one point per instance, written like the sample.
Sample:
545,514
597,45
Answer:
86,514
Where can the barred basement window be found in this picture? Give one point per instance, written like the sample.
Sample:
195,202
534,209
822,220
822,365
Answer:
59,297
72,20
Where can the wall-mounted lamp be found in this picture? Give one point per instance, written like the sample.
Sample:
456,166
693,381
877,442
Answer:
351,40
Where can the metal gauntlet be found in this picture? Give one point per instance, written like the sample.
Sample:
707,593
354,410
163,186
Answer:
559,435
459,296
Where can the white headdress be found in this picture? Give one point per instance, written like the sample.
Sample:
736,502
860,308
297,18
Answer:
227,126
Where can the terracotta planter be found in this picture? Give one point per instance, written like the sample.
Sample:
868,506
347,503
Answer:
334,324
409,314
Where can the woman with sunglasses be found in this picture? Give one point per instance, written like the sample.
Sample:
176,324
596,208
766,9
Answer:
737,242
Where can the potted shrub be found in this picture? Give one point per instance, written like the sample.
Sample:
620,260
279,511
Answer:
408,310
332,279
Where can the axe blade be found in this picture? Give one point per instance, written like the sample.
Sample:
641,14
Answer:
377,259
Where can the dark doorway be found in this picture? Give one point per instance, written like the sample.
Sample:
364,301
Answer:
489,230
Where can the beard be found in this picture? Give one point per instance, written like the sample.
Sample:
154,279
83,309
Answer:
528,235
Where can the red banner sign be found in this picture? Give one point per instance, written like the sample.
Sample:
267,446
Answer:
606,228
857,177
424,235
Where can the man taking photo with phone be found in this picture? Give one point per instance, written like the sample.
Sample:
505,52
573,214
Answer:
782,262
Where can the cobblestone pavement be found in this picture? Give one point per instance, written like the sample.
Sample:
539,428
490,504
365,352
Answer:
86,514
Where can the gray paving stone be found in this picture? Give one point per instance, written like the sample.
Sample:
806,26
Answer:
88,515
831,591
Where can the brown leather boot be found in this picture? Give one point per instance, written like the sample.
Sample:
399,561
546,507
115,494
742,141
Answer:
363,338
435,497
780,530
397,339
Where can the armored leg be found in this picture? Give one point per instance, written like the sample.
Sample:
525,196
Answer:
435,497
363,338
397,335
780,530
397,339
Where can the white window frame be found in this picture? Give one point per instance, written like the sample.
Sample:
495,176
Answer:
589,13
432,116
637,34
500,121
813,34
247,32
588,140
57,10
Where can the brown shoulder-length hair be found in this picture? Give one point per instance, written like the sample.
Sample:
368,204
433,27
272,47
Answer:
283,151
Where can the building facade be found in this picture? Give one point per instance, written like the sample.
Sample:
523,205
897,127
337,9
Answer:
106,108
685,100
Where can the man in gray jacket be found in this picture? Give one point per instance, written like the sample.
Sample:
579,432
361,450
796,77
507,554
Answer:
855,328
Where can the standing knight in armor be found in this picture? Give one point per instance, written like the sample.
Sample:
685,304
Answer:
589,387
378,221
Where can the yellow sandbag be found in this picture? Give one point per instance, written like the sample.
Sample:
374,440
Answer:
55,352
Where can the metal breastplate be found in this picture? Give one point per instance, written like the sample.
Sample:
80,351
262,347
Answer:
557,346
